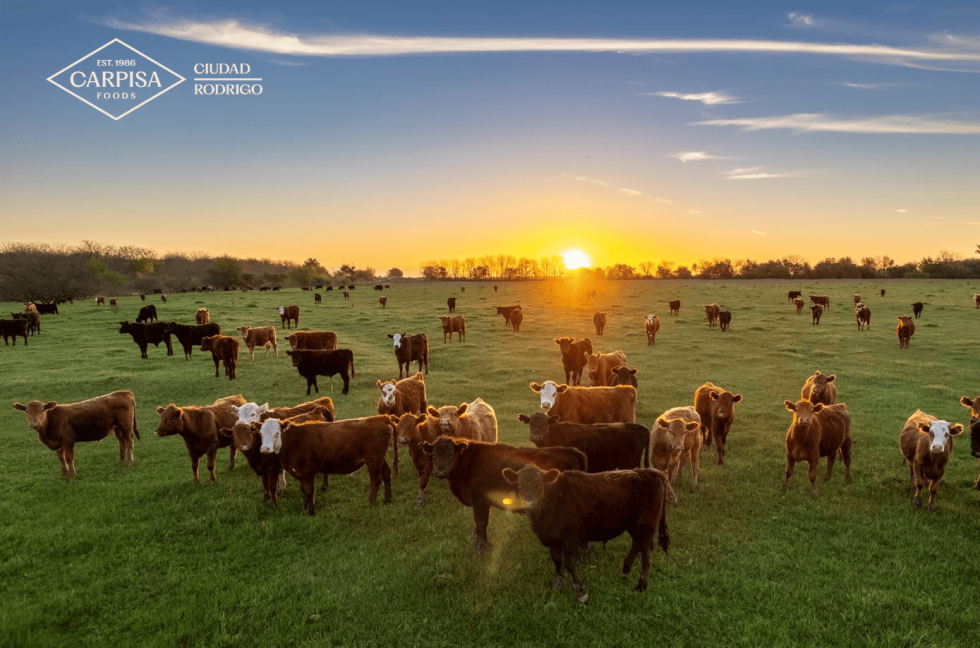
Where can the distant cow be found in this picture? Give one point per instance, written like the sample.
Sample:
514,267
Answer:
623,375
383,301
316,340
142,297
451,302
516,318
475,420
317,298
574,357
820,388
599,321
403,396
14,327
857,298
793,294
927,443
346,295
474,471
608,446
817,430
351,287
289,314
507,311
409,349
917,309
147,314
863,316
600,366
675,306
724,319
816,312
328,289
191,336
882,292
605,506
651,324
712,310
202,316
47,309
113,304
453,324
798,303
379,287
675,438
822,300
976,300
145,334
33,321
224,350
259,336
60,427
312,363
99,300
200,427
716,407
588,404
904,329
163,298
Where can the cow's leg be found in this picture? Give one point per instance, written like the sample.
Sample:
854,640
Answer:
386,478
557,557
61,460
695,466
212,456
195,463
812,472
977,485
251,352
346,378
374,473
571,549
481,516
143,348
720,446
69,461
919,483
424,475
325,483
790,466
276,347
232,454
216,363
845,453
933,489
830,465
309,495
630,557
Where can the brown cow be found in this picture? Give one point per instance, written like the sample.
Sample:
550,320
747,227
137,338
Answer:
724,319
451,302
917,309
817,430
822,300
516,318
403,396
926,443
857,298
200,428
289,314
976,300
259,336
317,298
599,321
338,448
113,304
793,294
475,420
601,365
99,300
820,388
410,348
588,404
712,310
453,324
60,427
904,329
314,340
202,316
651,324
608,446
412,431
322,408
882,292
623,375
674,438
675,306
798,303
716,407
224,350
574,357
816,312
975,444
474,471
383,301
863,316
567,509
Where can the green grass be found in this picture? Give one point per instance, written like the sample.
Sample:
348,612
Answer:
142,556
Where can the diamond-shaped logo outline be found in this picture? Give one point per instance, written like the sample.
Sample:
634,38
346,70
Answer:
116,40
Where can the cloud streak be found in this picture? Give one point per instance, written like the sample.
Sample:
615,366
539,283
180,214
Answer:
707,98
819,122
759,173
697,156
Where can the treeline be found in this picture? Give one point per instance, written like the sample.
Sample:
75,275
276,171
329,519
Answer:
50,273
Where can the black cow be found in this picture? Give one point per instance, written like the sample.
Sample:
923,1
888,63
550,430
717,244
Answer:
724,319
190,336
34,321
147,314
145,334
451,302
917,309
791,295
312,363
13,328
379,287
47,309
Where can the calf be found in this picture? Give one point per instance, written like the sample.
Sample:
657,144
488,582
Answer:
724,319
927,443
675,306
712,310
383,301
191,336
816,311
567,509
202,316
515,320
317,298
651,324
608,446
113,304
163,297
601,364
60,427
793,295
475,420
313,363
917,309
147,314
259,336
674,438
200,427
338,448
822,300
798,303
574,357
410,348
315,340
623,375
451,302
904,329
599,321
716,407
863,316
820,388
507,312
474,471
402,397
588,404
99,300
289,314
453,324
14,327
224,350
817,430
413,430
145,334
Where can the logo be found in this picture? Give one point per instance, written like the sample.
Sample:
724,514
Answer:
116,79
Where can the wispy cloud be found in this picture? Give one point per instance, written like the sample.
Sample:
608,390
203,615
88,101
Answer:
592,180
697,156
870,86
818,122
235,34
707,98
759,173
801,20
902,211
757,232
630,192
693,212
633,193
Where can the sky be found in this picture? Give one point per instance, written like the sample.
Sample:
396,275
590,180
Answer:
387,134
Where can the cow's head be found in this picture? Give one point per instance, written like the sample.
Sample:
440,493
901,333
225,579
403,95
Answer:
250,412
905,320
540,423
592,360
125,327
565,344
674,430
940,433
723,404
37,413
407,427
244,331
271,433
530,482
171,420
444,451
623,375
171,327
549,393
282,311
397,337
388,390
244,435
207,343
445,321
973,404
448,417
296,355
820,384
650,319
803,412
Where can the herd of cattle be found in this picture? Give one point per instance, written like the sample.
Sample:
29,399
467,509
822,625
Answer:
588,447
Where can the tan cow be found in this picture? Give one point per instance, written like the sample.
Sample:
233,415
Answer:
716,407
453,324
588,404
202,316
927,443
675,306
822,300
904,329
601,366
599,321
475,420
200,427
820,388
712,311
798,303
651,324
976,300
313,340
259,336
400,397
817,431
674,438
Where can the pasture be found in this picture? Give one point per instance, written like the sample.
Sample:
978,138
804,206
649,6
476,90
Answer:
141,555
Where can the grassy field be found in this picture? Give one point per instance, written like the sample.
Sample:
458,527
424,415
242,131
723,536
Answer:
142,556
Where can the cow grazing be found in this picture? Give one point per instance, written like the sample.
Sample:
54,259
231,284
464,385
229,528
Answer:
60,427
317,298
793,294
927,443
507,311
383,301
716,407
202,316
917,309
820,388
453,324
14,327
475,420
600,366
451,302
200,427
798,303
712,310
338,448
409,349
724,319
47,309
675,306
863,316
289,314
403,396
312,363
413,430
99,300
588,404
608,446
224,350
599,321
674,438
651,324
574,357
816,312
822,300
817,430
605,506
623,375
145,334
351,287
314,340
191,336
259,336
904,329
474,471
147,314
515,320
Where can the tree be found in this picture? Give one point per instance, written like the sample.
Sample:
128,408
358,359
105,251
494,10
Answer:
394,273
311,263
44,274
347,269
226,271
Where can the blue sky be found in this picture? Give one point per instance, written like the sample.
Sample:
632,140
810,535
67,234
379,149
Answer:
388,134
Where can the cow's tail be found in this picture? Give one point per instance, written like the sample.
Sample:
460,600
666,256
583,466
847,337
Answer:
646,454
663,535
136,429
352,365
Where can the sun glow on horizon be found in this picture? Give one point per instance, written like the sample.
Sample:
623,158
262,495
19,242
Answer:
575,259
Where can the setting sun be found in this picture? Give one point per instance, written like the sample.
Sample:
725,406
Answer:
575,259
